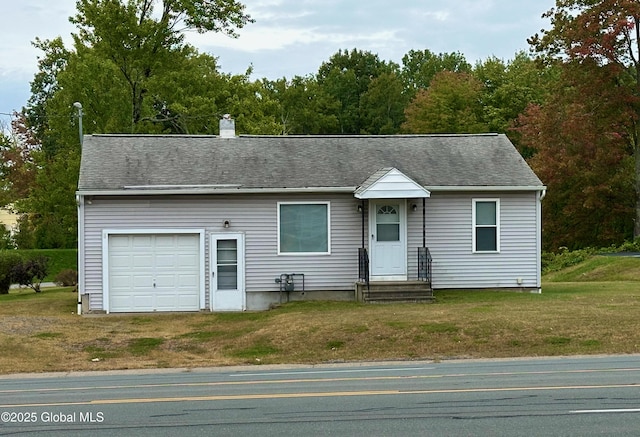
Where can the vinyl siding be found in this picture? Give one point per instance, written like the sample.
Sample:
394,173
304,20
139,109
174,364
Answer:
449,238
448,234
255,216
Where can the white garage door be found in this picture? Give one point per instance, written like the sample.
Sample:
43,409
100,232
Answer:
156,272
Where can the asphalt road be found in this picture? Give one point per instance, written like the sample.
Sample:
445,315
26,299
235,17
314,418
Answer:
525,397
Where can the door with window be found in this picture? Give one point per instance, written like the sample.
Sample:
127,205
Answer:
387,223
227,272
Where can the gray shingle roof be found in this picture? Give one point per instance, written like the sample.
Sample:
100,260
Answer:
112,162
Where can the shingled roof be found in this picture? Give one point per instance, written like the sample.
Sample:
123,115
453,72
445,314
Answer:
119,162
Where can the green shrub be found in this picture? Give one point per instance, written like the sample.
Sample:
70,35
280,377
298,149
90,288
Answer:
67,278
552,262
30,272
627,246
59,260
8,260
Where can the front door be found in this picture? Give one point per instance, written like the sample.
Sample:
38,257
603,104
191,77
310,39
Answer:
227,272
387,222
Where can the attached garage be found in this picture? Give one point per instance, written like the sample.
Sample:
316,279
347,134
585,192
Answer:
148,272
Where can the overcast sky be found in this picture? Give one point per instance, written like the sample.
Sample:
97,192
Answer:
294,37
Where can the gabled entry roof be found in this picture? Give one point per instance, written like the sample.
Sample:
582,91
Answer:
390,183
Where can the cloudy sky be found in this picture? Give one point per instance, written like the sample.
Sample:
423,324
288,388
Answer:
294,37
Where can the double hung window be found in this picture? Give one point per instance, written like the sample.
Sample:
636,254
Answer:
486,225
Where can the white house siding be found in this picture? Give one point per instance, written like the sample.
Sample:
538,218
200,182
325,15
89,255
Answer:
449,238
255,216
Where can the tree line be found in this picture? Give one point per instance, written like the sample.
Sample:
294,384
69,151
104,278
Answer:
570,106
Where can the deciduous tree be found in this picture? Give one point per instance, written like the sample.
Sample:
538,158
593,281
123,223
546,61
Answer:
451,104
346,77
302,106
382,105
419,67
606,34
144,41
132,72
18,150
509,87
582,153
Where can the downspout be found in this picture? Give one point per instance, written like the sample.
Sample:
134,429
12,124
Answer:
541,195
81,281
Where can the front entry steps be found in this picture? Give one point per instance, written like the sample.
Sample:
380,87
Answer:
395,292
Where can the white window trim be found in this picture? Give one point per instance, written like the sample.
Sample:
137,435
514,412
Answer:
474,226
302,202
145,231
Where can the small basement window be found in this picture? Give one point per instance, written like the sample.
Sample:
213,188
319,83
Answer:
303,228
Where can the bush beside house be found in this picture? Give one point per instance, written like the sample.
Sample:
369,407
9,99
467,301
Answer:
8,260
27,271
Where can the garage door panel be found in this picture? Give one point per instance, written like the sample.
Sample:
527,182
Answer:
138,303
120,303
119,241
120,281
142,241
184,260
142,302
120,261
168,241
184,241
141,282
188,281
143,260
171,262
166,261
188,301
166,281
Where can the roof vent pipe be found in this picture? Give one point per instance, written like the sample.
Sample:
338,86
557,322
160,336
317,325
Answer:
227,127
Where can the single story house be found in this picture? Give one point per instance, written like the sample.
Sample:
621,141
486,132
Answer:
233,223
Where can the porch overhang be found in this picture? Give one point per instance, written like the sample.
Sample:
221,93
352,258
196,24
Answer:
390,183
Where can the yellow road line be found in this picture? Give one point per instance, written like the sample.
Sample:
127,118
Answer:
307,380
315,395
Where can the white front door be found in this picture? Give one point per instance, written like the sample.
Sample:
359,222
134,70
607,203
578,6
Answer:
387,222
227,272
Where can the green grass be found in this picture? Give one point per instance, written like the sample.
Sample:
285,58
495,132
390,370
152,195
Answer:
202,336
599,269
258,351
591,311
142,346
49,335
439,328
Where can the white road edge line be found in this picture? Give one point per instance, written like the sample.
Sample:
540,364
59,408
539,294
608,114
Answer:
615,410
309,372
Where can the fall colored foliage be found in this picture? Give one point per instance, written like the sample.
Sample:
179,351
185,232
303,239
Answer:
574,115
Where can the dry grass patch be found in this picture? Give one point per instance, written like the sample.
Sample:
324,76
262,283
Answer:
40,332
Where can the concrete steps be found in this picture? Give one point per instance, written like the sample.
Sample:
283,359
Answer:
395,291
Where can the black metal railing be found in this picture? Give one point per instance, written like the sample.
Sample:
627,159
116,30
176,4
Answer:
424,264
363,265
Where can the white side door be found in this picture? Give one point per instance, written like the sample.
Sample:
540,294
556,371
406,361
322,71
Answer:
227,272
388,241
